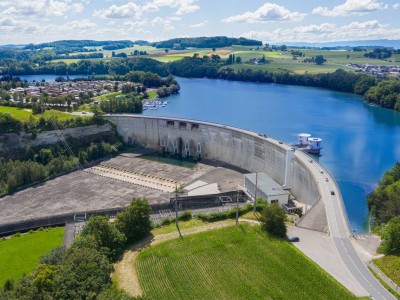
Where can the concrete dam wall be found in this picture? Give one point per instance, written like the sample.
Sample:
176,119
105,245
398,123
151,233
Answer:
245,149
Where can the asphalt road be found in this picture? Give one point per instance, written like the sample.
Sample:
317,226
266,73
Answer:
340,232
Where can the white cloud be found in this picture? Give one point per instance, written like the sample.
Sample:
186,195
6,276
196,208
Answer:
267,12
131,9
80,25
182,6
78,7
165,23
135,23
201,24
396,6
143,31
9,24
351,7
124,11
39,8
368,25
328,32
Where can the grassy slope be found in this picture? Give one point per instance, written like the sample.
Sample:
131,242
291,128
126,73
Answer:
233,263
193,223
19,255
24,114
390,265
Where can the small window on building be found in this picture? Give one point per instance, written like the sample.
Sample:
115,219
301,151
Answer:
182,125
195,126
170,123
274,201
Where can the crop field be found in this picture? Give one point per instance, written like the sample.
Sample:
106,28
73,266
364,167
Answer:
20,255
24,114
283,61
233,263
390,265
294,67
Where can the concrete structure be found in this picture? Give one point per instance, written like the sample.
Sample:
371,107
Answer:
303,139
258,153
314,145
244,149
267,188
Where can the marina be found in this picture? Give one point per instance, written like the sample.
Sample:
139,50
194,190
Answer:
154,104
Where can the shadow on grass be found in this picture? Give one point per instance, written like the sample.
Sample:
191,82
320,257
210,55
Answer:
138,246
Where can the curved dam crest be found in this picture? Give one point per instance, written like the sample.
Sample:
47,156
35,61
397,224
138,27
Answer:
238,147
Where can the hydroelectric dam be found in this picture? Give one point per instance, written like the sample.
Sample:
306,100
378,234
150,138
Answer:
307,180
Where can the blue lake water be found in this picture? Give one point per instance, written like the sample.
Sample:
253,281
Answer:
360,142
47,77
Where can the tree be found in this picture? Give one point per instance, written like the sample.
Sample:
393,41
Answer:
391,237
54,257
273,220
106,235
83,273
134,222
166,51
44,277
319,59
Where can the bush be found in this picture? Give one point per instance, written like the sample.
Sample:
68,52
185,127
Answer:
185,216
273,220
106,235
229,214
165,222
135,222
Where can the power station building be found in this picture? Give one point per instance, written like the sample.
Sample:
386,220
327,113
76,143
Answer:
267,188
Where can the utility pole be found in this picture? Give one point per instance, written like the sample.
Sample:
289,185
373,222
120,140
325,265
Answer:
237,208
255,195
176,211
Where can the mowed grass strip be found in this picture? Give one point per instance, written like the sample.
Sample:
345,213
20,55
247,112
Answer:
20,255
23,114
390,265
233,263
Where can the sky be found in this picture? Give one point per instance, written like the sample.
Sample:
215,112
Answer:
36,21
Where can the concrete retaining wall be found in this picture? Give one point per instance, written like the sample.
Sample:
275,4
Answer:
245,149
57,220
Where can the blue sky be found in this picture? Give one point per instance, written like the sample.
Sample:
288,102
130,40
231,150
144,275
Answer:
28,21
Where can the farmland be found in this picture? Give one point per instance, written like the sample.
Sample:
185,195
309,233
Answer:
278,61
20,254
233,263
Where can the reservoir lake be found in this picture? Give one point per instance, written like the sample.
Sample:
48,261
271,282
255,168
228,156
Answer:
360,142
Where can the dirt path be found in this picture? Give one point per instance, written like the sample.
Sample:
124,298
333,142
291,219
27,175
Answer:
125,272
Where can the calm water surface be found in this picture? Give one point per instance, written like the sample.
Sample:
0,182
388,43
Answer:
360,142
47,77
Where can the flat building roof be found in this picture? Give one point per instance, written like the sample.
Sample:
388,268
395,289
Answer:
266,184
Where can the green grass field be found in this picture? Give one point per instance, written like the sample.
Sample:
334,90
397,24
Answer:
390,265
20,255
152,94
280,61
23,114
106,96
193,223
233,263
